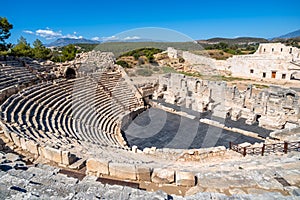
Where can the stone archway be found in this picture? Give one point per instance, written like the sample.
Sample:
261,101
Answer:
70,73
197,86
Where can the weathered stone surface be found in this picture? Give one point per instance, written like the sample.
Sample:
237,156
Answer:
134,149
12,157
163,175
236,191
122,170
7,134
296,192
32,147
194,190
185,178
23,143
255,191
97,166
78,164
67,158
51,154
16,139
143,173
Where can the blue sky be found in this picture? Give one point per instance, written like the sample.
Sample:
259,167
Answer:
49,20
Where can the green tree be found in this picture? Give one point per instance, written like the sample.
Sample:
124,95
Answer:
123,64
40,51
5,27
22,48
69,52
223,45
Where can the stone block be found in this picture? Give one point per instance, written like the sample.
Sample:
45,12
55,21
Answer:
7,134
185,178
134,149
16,139
97,166
67,158
163,176
32,147
23,143
143,173
12,157
122,170
80,163
146,150
51,154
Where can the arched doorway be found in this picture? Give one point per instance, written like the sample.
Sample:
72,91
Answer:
197,87
70,73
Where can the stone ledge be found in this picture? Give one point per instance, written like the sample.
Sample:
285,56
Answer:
184,178
51,154
32,147
97,167
163,176
122,170
143,173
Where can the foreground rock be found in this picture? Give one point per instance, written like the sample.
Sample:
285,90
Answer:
18,181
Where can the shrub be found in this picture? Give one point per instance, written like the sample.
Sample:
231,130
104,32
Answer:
123,63
144,72
169,70
156,69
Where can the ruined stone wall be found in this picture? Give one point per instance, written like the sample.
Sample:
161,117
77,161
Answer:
270,61
87,62
273,108
197,59
258,66
278,49
174,53
196,63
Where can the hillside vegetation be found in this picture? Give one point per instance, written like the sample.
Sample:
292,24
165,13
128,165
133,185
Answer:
119,48
295,42
233,41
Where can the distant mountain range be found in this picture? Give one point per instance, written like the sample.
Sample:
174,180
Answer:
231,41
240,40
66,41
293,34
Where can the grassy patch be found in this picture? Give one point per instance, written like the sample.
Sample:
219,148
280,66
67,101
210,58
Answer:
194,74
168,70
144,72
259,86
226,78
156,69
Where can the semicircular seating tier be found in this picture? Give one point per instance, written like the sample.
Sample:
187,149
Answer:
89,108
13,74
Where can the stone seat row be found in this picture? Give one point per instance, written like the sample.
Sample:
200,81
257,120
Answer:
13,73
118,88
31,111
77,109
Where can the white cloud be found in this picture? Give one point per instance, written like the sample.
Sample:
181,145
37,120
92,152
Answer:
115,38
96,38
110,38
50,34
132,38
28,32
74,36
